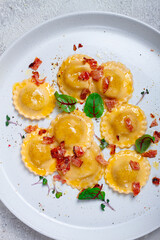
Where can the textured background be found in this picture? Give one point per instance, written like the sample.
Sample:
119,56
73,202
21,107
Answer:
19,16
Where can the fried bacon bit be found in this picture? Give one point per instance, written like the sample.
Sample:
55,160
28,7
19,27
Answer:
74,47
84,76
110,103
76,161
84,93
58,152
48,140
31,128
101,160
156,134
128,123
113,149
134,165
136,188
63,164
154,123
150,154
58,178
42,131
35,79
35,65
156,181
117,137
152,115
152,50
91,62
105,84
97,73
80,45
78,151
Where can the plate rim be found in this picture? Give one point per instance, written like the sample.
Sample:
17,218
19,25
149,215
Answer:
4,197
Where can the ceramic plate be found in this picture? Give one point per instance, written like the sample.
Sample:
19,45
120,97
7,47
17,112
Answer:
105,37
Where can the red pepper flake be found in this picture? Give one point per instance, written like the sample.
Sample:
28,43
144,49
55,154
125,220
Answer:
78,151
74,47
136,188
105,84
152,115
84,93
154,123
117,137
31,128
134,165
42,131
150,154
80,45
59,179
84,76
100,159
156,181
48,140
76,161
113,149
128,123
97,74
110,103
156,134
9,145
92,62
35,65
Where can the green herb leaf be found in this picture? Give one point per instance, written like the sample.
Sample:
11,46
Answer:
7,123
23,136
7,118
53,191
103,144
102,206
91,193
142,92
58,194
143,143
44,181
40,177
94,106
147,91
66,102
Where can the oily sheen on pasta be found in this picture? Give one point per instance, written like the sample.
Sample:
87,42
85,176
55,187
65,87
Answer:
37,156
119,174
89,173
32,101
123,125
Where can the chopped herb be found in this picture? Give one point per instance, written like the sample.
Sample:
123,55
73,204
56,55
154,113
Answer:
7,123
143,143
94,106
7,118
58,194
66,102
44,181
107,200
102,206
142,92
40,177
147,91
103,144
53,191
23,136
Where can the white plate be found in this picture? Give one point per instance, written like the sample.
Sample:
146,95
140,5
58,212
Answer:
105,37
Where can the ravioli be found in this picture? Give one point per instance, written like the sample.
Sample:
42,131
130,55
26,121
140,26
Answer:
119,174
37,156
114,127
75,129
120,86
32,101
68,76
90,171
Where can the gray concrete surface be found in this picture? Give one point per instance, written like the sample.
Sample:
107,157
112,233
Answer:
18,17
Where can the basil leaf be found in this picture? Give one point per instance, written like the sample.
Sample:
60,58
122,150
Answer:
94,106
143,143
103,144
66,102
91,193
